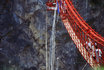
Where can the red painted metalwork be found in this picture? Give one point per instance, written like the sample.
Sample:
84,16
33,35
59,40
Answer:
89,43
51,6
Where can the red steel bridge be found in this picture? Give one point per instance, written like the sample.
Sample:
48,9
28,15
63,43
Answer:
89,43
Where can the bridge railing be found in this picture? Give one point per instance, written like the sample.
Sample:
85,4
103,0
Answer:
90,39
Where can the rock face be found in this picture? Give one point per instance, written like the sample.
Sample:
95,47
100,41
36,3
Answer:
92,12
23,30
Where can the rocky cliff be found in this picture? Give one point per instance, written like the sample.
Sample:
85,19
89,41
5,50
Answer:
23,30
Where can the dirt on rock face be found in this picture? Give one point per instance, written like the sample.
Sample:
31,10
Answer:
22,34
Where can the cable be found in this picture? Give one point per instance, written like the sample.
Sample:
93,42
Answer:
84,66
53,40
46,44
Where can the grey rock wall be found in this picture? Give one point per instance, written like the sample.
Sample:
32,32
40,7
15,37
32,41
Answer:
22,34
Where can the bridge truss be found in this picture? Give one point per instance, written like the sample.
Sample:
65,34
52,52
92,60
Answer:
89,43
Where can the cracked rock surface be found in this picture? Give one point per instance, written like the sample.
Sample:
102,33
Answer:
23,30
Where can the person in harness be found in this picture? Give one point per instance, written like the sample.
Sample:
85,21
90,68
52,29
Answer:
98,54
90,47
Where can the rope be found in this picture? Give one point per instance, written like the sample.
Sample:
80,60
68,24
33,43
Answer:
84,66
46,43
53,41
41,1
57,63
86,4
86,9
